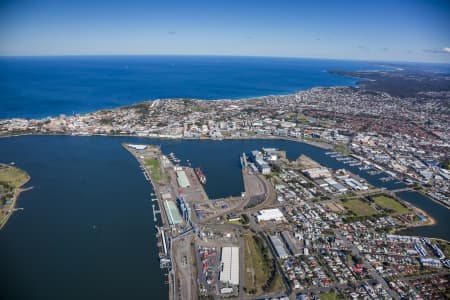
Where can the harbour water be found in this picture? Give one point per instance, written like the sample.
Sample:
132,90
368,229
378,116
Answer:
87,227
86,231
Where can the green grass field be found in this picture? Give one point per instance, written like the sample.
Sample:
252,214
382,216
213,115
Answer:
391,204
12,176
360,207
257,268
154,167
329,296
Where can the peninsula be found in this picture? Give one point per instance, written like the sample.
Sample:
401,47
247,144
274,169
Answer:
12,180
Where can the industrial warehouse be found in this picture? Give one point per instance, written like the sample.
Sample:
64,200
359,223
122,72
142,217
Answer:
273,214
173,215
230,265
182,179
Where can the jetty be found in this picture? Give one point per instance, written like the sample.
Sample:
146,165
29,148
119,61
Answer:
155,212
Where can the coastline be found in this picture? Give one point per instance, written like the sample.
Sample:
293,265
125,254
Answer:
349,81
420,191
431,220
319,144
19,190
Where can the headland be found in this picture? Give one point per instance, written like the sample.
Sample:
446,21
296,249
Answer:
12,179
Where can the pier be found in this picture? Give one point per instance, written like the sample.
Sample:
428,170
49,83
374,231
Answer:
155,212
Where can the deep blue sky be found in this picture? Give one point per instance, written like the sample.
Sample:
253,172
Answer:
370,30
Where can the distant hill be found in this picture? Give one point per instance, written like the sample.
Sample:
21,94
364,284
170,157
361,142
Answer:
404,83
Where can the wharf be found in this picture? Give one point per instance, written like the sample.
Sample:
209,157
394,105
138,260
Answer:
175,233
184,208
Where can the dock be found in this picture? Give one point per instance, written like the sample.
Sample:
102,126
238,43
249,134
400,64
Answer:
184,206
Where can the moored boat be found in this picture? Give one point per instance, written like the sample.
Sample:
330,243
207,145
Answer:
200,175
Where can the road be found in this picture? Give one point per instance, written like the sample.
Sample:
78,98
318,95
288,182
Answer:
184,267
269,201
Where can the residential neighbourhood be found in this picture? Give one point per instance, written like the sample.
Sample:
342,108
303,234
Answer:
408,137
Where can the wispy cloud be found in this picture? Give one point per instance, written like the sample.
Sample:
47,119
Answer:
363,48
445,50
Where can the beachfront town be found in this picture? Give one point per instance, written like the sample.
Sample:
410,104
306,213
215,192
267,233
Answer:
299,230
406,137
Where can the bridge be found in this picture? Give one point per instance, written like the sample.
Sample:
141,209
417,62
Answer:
406,189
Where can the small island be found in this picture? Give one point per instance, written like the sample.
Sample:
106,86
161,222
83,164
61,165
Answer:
12,180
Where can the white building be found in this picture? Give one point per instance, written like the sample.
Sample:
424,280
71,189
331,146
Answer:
315,173
137,147
182,179
273,214
263,167
230,265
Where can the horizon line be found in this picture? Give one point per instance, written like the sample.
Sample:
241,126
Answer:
220,55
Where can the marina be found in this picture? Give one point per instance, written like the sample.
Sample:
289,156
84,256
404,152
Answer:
173,158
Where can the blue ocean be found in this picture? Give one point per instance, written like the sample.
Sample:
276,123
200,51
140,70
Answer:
37,87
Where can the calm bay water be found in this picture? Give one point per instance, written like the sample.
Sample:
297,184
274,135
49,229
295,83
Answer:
87,227
86,231
37,87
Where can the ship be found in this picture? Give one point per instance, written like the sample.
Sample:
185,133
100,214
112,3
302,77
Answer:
243,160
200,175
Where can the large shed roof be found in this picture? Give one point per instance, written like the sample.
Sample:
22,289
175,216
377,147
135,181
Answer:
182,179
230,261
